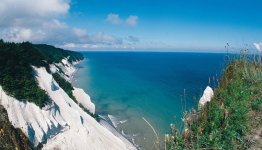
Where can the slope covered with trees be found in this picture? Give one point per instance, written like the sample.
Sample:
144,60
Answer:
55,55
16,74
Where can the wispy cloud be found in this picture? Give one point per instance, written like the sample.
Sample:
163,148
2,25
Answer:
132,20
40,21
31,12
116,20
80,32
133,39
31,20
113,18
101,40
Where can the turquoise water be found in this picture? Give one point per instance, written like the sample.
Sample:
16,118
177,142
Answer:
156,86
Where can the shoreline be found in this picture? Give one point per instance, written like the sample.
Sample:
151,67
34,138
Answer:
106,123
72,75
128,141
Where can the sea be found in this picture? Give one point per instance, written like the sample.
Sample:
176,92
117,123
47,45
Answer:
135,89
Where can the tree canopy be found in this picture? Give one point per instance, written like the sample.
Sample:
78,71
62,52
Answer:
16,74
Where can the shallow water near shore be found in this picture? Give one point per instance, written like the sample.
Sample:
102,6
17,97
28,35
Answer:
126,86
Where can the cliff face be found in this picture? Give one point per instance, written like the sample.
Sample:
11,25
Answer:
66,70
61,122
10,137
206,97
63,119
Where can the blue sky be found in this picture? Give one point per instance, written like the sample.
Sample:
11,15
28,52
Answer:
179,25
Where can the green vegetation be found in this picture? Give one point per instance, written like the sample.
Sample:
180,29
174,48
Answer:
55,55
65,85
18,80
96,116
231,118
68,88
16,74
10,137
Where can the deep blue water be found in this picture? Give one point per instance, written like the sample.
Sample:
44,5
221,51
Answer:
157,86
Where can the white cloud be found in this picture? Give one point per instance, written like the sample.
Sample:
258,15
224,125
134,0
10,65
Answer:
54,24
113,18
132,20
39,21
103,41
116,20
21,34
52,31
133,39
97,46
26,12
82,46
106,39
80,32
258,46
31,20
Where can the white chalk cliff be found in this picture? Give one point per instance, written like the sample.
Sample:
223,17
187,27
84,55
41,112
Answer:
206,97
62,124
67,68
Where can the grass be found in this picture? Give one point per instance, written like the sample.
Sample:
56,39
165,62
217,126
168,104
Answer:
65,85
229,119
